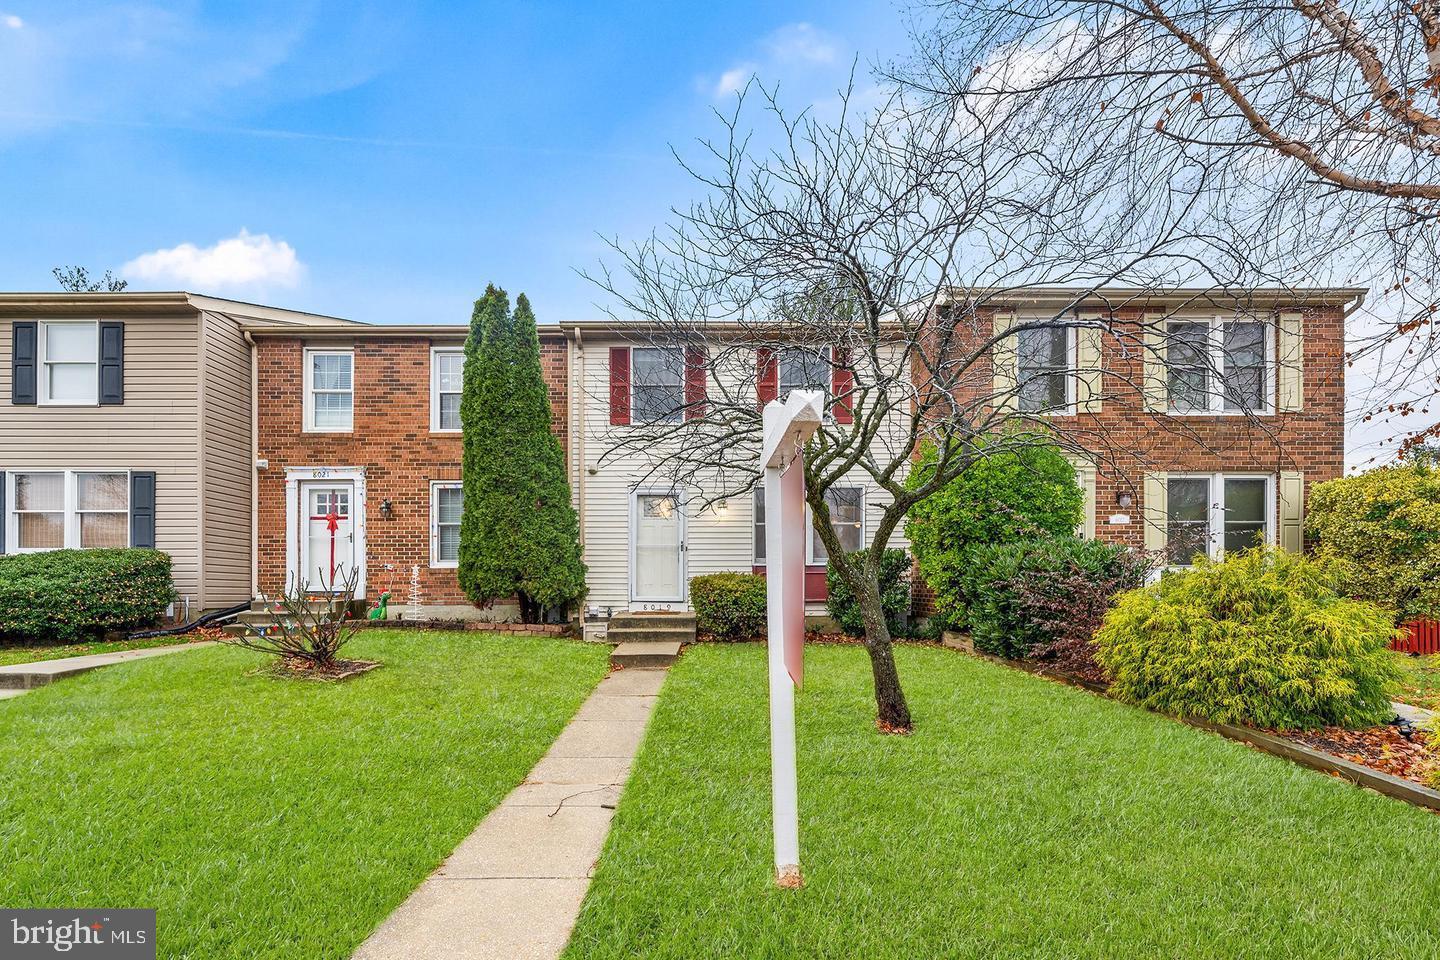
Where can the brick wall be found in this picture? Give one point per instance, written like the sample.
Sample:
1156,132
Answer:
391,439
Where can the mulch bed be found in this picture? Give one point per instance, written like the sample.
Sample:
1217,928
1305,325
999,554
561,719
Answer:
300,669
1387,749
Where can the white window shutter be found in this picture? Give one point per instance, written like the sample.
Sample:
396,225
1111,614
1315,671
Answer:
1156,382
1005,361
1157,513
1290,362
1292,511
1089,381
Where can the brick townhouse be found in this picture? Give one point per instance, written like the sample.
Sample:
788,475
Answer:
358,455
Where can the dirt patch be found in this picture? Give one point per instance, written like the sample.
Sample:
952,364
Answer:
296,668
1387,749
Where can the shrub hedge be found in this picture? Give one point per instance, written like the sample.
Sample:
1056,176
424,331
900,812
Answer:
69,596
730,606
1045,597
894,593
1260,638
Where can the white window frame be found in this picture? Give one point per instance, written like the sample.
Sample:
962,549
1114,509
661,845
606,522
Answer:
673,416
1215,535
42,366
435,354
810,538
435,561
310,355
1215,369
1070,374
71,522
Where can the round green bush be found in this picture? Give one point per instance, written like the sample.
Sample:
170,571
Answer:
730,606
894,593
1260,638
68,596
1022,490
1383,529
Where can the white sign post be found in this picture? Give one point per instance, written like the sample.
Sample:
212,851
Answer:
787,425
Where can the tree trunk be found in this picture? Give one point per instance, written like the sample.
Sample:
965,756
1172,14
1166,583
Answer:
529,609
892,712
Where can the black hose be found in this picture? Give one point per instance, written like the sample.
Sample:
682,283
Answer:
204,621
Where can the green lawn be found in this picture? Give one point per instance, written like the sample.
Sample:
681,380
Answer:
1022,819
268,818
29,653
1419,681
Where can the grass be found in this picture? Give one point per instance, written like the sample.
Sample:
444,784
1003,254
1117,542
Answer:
29,653
1419,680
1022,819
271,818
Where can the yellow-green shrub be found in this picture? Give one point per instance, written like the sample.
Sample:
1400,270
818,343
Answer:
1260,638
1383,529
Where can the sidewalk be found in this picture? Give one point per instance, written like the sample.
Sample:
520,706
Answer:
512,889
18,678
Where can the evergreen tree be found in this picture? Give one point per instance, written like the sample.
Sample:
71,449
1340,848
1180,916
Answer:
519,535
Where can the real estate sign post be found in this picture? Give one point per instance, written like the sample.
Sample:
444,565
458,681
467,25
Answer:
788,424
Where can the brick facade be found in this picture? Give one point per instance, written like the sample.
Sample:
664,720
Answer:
391,440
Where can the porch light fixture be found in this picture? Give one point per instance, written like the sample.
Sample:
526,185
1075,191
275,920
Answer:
1124,499
387,509
723,507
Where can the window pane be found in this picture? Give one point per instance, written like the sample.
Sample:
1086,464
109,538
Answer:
1244,389
658,404
332,371
1244,513
655,367
332,410
71,342
1043,349
449,372
41,531
1244,346
102,491
448,504
804,370
449,411
1188,363
1244,343
39,491
847,516
72,381
1039,393
447,544
104,530
1188,521
759,524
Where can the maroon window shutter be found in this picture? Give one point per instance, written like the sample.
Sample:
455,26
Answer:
842,384
694,382
767,376
619,386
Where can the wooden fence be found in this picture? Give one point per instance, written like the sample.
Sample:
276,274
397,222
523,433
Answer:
1421,636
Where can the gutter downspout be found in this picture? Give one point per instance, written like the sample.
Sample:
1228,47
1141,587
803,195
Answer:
577,372
254,454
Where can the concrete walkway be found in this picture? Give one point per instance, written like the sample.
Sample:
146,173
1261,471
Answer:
512,889
1416,715
18,678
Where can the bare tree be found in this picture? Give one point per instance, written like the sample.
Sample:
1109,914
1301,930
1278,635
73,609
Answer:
77,280
1318,122
927,264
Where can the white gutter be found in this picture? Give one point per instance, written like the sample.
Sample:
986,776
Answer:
577,429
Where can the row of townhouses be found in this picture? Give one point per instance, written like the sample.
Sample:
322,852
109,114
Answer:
254,444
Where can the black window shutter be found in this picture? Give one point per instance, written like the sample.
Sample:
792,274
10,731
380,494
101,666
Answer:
112,362
142,508
24,343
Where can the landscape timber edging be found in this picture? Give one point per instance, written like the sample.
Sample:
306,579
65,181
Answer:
1384,783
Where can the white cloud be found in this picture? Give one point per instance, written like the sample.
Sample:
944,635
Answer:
12,21
800,43
734,79
246,259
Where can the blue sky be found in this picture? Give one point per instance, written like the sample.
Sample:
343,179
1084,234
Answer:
377,161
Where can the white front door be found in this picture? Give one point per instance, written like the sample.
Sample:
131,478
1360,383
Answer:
657,562
327,535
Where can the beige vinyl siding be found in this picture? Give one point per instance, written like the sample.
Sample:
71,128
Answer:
155,429
716,541
227,467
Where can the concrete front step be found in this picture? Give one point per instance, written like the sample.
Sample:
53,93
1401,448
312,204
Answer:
274,606
650,636
645,654
648,620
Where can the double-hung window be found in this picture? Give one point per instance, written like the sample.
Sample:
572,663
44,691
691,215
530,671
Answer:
847,516
1218,365
1213,513
803,368
447,369
69,362
52,509
657,384
446,505
329,391
1043,368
